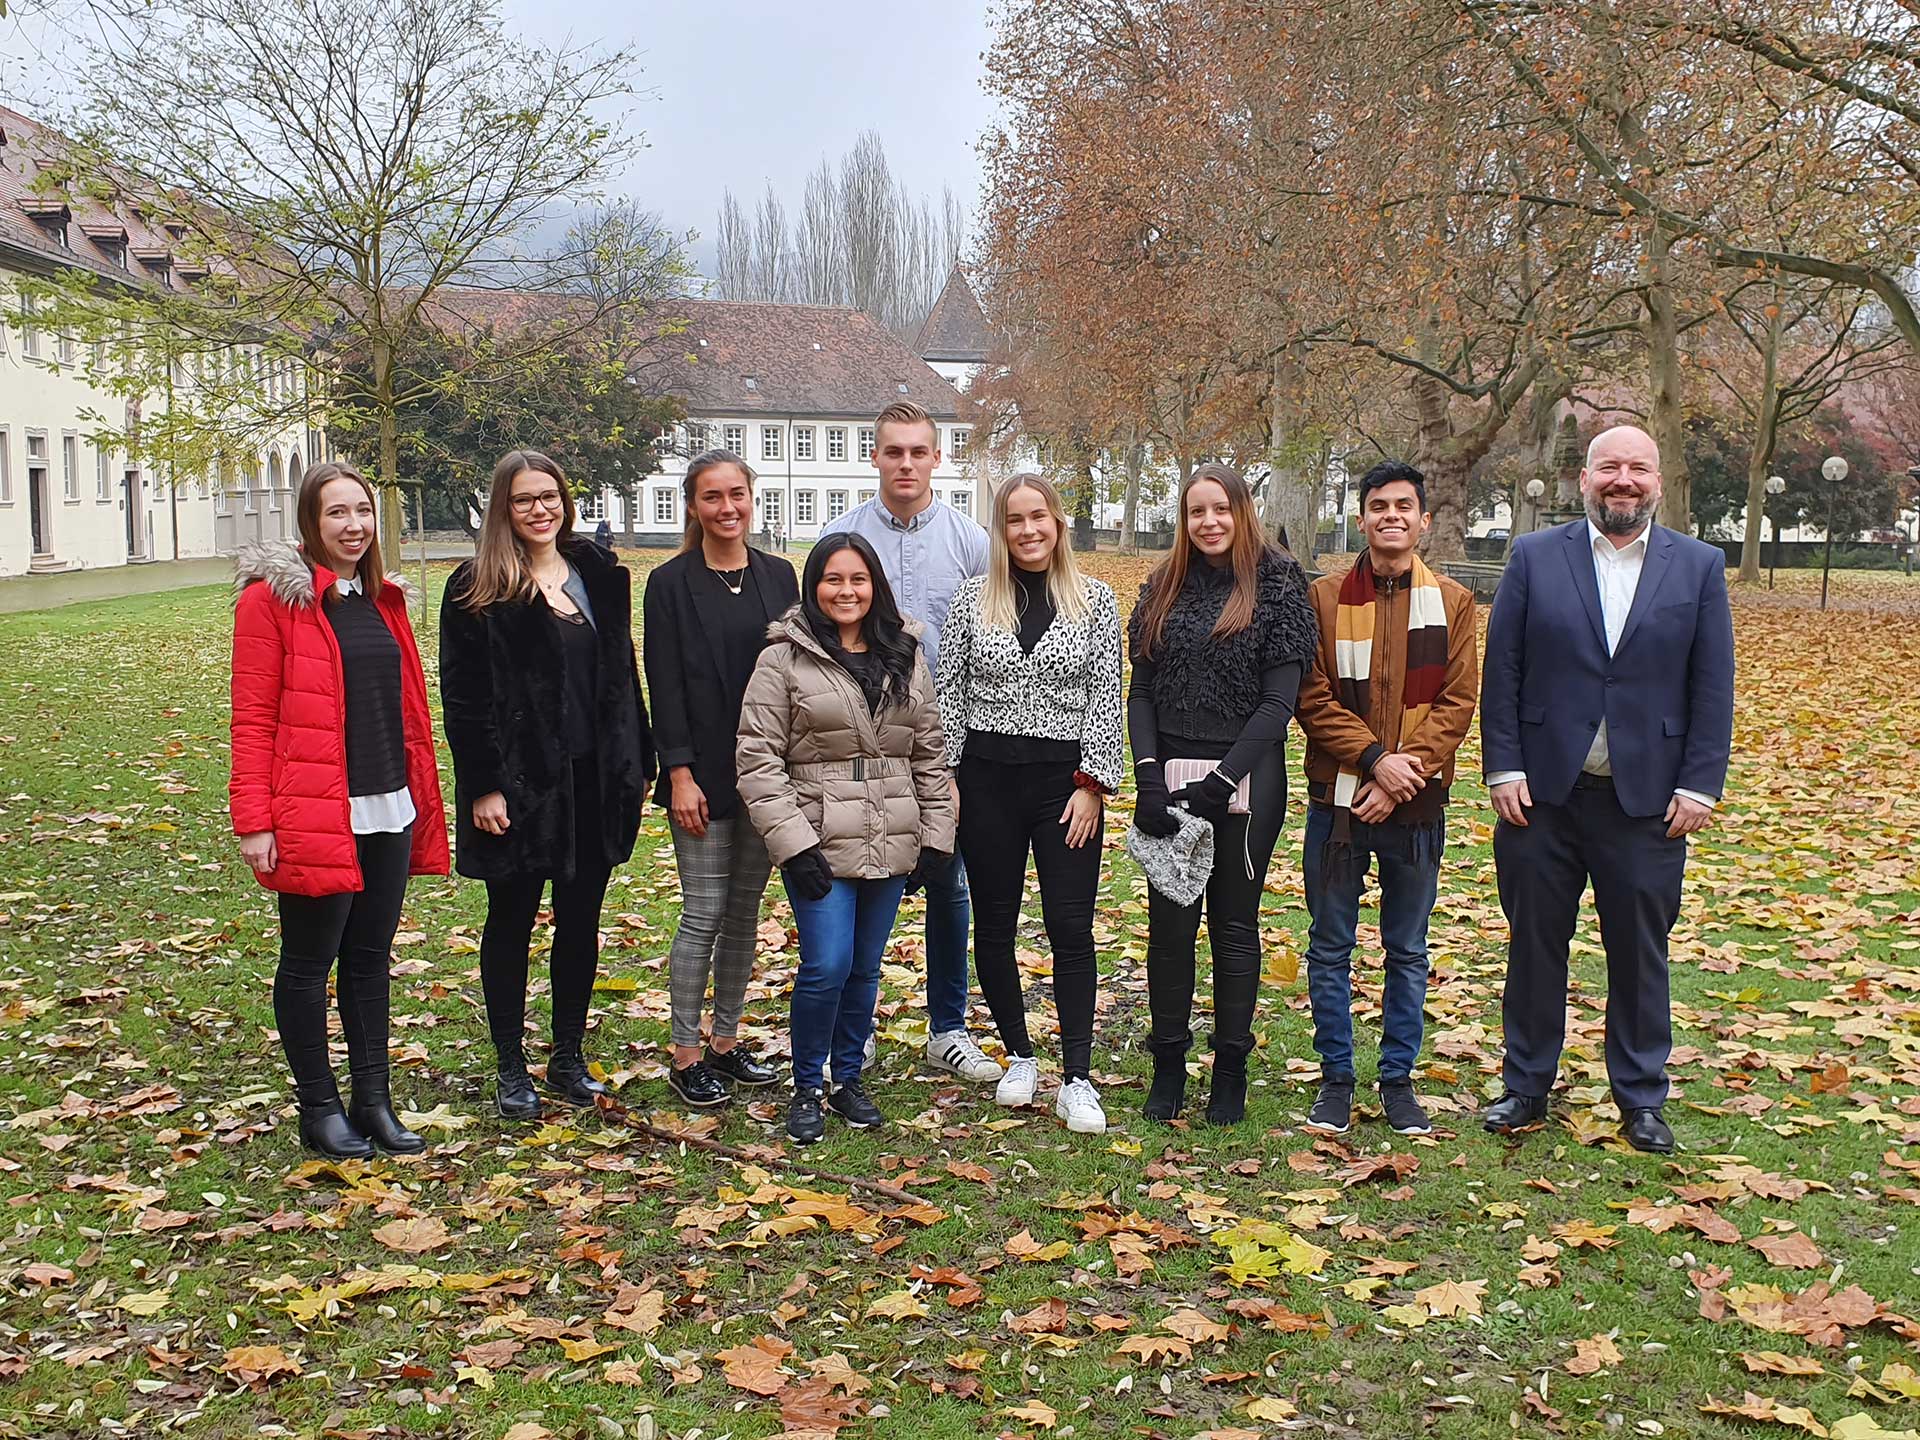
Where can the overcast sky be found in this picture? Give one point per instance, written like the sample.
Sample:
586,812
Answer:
737,92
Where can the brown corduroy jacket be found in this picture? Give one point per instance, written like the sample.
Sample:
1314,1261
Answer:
1336,736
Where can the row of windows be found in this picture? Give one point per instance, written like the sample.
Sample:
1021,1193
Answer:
279,378
770,505
104,470
773,441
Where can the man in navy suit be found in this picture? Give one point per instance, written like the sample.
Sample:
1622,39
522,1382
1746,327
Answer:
1606,717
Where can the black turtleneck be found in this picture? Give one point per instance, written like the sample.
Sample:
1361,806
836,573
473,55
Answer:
1033,602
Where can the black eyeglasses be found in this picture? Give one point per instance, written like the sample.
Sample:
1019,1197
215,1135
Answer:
546,499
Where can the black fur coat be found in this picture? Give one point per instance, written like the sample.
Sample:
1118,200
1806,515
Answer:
1205,687
502,688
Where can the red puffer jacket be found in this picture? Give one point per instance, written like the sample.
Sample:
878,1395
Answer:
290,733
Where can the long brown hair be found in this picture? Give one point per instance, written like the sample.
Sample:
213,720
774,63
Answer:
500,570
693,535
1170,575
306,509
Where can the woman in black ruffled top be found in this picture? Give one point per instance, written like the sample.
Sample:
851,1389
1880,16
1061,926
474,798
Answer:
1219,641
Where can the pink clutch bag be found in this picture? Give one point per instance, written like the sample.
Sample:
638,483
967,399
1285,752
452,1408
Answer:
1181,773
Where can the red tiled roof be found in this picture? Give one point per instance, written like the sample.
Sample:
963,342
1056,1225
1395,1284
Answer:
956,328
800,359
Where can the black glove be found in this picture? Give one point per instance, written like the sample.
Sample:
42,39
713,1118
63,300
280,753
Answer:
808,875
1150,801
1207,797
930,859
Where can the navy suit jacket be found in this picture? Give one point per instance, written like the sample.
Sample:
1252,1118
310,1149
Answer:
1666,692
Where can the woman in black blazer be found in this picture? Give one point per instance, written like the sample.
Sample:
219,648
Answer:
707,612
552,755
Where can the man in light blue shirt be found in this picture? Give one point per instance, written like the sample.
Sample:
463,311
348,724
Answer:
927,548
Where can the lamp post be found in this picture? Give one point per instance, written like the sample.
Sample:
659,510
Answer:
1536,487
1834,468
1775,484
1912,525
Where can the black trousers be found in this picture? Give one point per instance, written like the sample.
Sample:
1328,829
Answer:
1233,924
357,930
1637,873
513,906
1005,810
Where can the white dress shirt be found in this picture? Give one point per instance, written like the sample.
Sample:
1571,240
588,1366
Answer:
386,814
1616,571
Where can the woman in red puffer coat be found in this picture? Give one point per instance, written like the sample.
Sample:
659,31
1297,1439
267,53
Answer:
335,792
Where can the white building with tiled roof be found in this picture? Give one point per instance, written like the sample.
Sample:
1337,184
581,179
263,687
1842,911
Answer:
69,498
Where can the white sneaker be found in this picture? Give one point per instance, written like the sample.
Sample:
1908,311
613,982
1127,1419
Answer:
1079,1105
826,1070
955,1052
1018,1084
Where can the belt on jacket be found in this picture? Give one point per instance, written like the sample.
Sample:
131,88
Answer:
861,767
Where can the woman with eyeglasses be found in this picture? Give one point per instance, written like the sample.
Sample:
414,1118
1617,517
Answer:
552,756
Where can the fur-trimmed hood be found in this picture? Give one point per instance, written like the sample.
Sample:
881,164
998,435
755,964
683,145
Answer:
282,564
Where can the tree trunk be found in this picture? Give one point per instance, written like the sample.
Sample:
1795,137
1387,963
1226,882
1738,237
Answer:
1666,416
392,513
1444,464
1130,505
1292,508
1760,456
1538,455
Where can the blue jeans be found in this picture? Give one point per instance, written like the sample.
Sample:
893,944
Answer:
842,941
1409,881
948,916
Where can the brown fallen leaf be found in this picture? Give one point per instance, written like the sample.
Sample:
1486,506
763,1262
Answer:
1034,1412
835,1369
1591,1355
1048,1317
414,1237
750,1368
1156,1349
1793,1251
46,1274
1762,1407
1772,1362
1194,1326
258,1364
1452,1298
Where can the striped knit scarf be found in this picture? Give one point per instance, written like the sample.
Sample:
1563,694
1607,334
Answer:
1353,663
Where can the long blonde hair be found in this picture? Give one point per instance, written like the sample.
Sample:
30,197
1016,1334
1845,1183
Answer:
500,570
998,606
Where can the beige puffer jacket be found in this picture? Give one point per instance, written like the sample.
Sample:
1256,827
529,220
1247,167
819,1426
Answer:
817,769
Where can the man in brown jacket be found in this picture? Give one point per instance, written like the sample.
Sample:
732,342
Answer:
1386,704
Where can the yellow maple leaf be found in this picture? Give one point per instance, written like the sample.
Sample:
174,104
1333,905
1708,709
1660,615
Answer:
901,1305
1450,1297
1034,1412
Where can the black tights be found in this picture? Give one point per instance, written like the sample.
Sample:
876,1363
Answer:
1004,809
1233,924
512,907
356,929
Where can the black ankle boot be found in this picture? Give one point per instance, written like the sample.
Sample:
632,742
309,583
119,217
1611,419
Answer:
1227,1104
514,1096
567,1075
372,1115
1168,1092
325,1130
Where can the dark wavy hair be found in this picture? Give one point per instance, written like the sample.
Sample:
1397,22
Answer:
882,629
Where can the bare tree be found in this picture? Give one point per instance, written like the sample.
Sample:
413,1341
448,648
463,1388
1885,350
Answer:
733,242
772,263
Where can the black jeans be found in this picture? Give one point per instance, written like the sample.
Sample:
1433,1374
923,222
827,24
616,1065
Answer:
512,907
1004,810
1233,923
355,928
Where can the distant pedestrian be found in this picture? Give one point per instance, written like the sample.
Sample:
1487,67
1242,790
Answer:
333,765
603,535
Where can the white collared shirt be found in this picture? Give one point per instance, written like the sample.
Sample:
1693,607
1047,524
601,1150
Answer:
1616,573
392,812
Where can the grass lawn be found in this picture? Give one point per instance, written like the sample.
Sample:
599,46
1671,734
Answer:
172,1263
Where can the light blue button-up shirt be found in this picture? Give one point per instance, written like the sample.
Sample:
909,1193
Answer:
925,559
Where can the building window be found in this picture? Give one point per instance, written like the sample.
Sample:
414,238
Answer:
102,473
836,442
696,436
957,446
6,466
70,465
803,506
803,442
865,496
836,504
866,444
663,507
736,440
63,349
592,505
769,442
249,502
772,509
29,332
963,501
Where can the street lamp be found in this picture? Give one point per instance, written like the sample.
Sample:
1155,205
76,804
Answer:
1912,524
1775,484
1536,487
1834,468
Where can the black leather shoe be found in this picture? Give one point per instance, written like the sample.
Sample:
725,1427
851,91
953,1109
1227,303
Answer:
1227,1101
1647,1130
806,1121
514,1095
568,1079
739,1068
1168,1091
1515,1112
698,1086
325,1130
372,1115
853,1105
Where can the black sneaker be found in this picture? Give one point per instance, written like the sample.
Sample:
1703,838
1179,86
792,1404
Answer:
852,1104
1332,1112
698,1086
1403,1111
740,1068
806,1122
